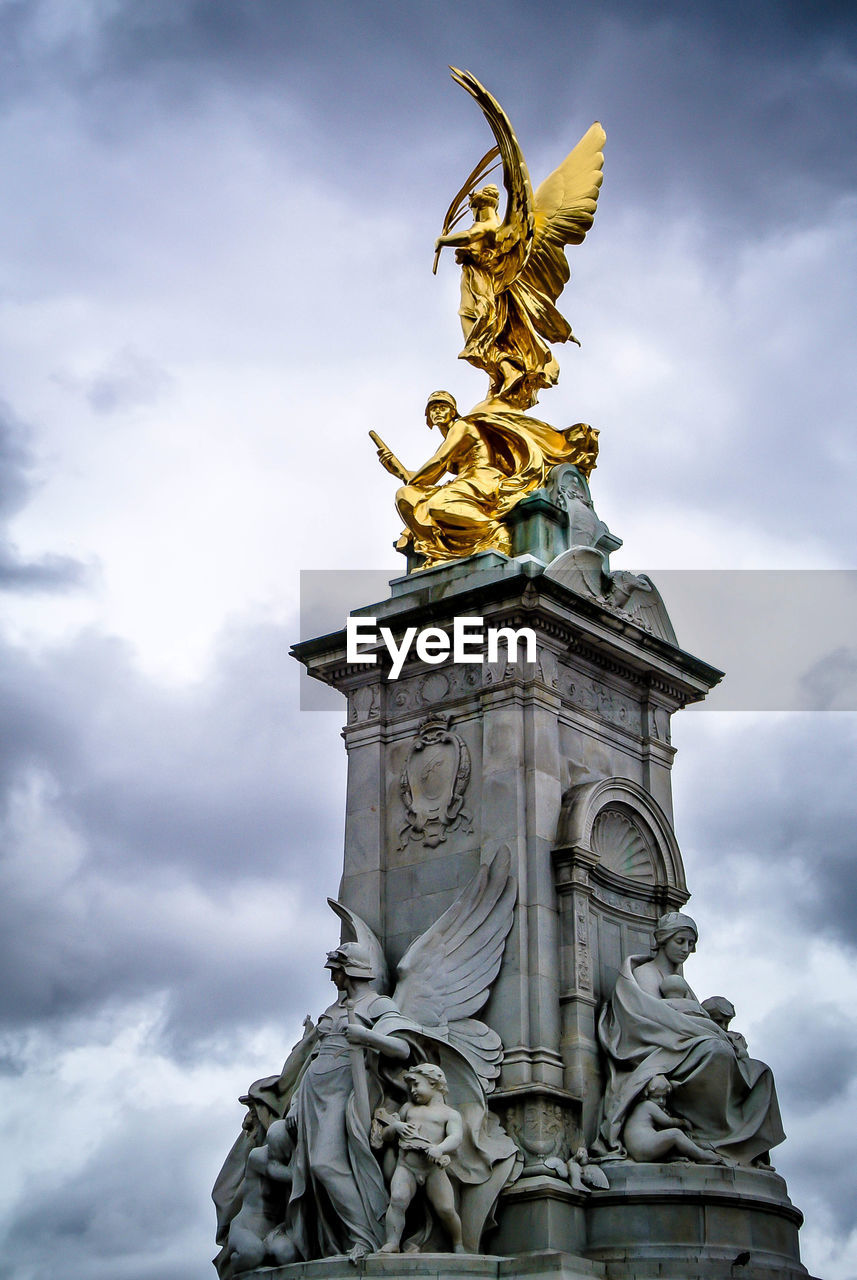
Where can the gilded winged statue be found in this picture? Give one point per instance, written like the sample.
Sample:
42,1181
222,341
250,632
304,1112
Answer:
313,1130
513,271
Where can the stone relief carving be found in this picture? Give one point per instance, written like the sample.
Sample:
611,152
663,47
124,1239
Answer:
416,693
365,704
582,956
580,1171
375,1065
549,667
433,783
538,1126
596,698
585,569
661,1043
609,898
659,724
495,672
622,846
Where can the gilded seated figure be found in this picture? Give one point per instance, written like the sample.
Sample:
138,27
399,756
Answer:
495,455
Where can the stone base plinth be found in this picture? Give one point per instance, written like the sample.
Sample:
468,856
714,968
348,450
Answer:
546,1265
540,1213
694,1222
657,1222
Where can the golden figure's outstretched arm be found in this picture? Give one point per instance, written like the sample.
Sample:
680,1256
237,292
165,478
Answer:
516,233
458,205
388,459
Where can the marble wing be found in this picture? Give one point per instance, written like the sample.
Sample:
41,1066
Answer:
564,209
516,234
445,976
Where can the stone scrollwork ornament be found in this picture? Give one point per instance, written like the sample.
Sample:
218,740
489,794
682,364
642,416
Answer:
385,1090
433,783
539,1129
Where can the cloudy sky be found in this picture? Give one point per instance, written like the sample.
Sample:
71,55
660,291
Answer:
216,238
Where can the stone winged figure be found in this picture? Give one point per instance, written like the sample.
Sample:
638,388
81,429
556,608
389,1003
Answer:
514,269
352,1065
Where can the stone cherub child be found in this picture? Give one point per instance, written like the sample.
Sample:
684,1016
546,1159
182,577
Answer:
679,996
426,1130
722,1011
580,1171
652,1134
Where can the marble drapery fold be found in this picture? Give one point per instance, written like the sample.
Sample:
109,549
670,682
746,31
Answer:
730,1102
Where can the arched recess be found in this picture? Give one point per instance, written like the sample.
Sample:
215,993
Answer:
581,826
617,867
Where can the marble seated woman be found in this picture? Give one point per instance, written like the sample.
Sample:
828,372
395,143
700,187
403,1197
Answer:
728,1100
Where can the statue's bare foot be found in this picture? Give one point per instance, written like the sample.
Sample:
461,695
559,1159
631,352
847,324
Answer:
458,1248
389,1247
358,1253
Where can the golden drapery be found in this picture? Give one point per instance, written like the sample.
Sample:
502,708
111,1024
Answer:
502,455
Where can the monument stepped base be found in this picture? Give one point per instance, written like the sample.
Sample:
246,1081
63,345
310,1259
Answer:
547,1265
684,1221
670,1221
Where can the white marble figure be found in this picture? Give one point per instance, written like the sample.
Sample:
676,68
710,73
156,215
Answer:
427,1132
652,1134
265,1189
728,1100
722,1011
678,995
351,1063
580,1171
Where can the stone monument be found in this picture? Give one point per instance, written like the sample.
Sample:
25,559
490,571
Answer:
514,1077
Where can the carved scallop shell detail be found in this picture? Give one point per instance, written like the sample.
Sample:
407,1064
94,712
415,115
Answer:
622,847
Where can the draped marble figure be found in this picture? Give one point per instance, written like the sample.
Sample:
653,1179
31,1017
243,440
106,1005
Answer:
648,1028
352,1064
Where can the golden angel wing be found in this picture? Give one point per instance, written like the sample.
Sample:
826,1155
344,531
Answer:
564,210
516,234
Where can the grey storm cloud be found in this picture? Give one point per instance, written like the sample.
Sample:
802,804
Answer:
772,77
156,827
815,1068
769,814
17,572
172,845
118,1217
127,380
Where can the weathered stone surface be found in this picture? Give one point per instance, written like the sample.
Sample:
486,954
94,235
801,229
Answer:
695,1221
569,770
540,1265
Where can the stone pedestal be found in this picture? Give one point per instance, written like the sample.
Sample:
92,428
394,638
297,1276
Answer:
686,1221
565,760
544,1264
